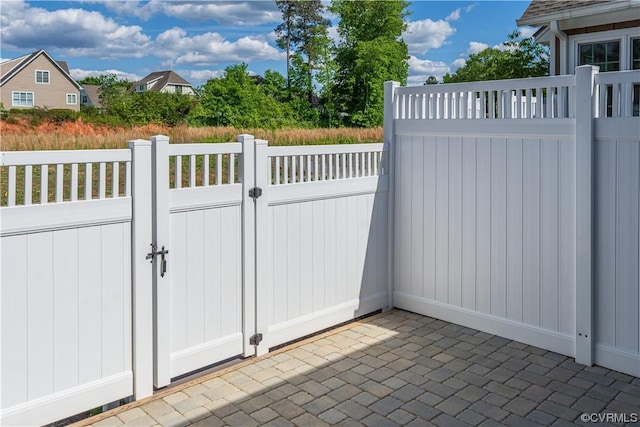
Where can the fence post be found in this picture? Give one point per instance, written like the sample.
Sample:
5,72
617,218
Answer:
263,290
389,145
247,169
161,237
585,77
141,273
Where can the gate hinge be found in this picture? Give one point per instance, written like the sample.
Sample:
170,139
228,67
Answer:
255,339
255,192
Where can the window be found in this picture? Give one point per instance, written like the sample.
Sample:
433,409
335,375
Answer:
22,99
84,99
606,55
72,99
141,88
178,89
42,77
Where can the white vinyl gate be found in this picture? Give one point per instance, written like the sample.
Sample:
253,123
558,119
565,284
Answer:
302,230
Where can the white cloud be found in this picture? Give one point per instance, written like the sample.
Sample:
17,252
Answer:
72,32
80,74
222,12
475,47
232,13
199,77
421,69
455,15
212,48
527,31
421,36
460,62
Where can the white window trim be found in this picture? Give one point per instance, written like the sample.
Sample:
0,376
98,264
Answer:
48,77
624,36
75,96
33,98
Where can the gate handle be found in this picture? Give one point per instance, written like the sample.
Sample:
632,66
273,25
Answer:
154,252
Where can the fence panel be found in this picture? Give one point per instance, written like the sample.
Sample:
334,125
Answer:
617,223
326,237
198,219
66,284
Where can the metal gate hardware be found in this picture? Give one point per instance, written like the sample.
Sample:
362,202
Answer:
255,192
154,252
255,339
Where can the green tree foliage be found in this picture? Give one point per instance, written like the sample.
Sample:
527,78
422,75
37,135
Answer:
517,58
326,70
301,34
236,100
371,52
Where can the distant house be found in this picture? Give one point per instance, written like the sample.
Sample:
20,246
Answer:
37,80
89,96
587,32
164,81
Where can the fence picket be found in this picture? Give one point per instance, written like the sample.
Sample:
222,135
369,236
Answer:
28,184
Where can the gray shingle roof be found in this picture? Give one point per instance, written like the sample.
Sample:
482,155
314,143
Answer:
543,8
164,78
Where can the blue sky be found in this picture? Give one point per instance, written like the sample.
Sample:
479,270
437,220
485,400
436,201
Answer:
198,38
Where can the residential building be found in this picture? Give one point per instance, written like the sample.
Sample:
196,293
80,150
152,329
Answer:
587,32
37,80
89,96
164,81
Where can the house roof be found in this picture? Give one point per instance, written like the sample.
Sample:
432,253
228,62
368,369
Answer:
12,67
162,78
92,93
541,12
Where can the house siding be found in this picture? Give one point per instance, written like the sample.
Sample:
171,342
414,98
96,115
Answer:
52,95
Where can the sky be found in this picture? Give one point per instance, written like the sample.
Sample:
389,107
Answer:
198,38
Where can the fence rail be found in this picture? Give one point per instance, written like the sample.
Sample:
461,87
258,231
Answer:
544,97
617,94
290,165
59,176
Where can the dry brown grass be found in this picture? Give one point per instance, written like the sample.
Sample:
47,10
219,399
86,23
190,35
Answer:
79,135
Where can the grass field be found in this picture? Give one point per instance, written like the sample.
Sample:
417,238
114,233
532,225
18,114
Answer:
78,136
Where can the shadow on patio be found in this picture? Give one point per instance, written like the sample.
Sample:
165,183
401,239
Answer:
395,368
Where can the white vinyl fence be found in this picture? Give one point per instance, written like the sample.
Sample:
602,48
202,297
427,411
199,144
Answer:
497,224
511,207
66,284
140,266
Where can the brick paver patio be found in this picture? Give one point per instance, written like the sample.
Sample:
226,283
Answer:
395,368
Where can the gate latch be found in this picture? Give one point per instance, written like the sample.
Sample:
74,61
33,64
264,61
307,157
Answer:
155,252
255,339
255,192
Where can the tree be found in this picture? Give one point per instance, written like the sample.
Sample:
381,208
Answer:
516,58
371,52
236,100
301,32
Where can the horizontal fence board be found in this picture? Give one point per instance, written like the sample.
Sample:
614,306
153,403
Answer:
200,149
54,216
22,158
617,128
316,190
297,150
498,128
183,199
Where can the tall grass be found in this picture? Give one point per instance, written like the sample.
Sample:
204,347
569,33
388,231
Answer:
78,136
